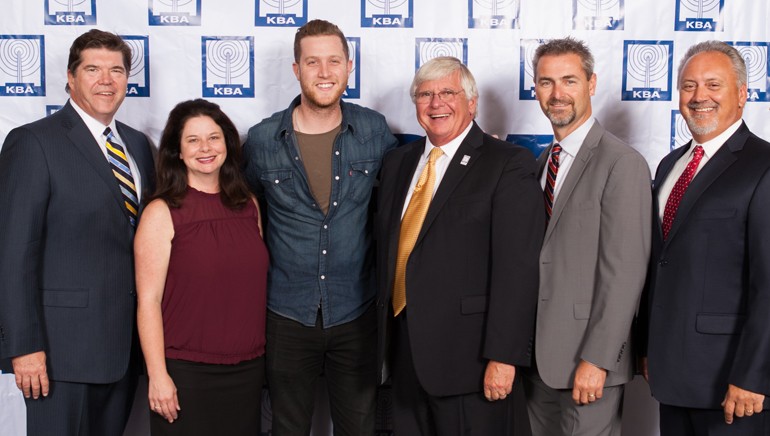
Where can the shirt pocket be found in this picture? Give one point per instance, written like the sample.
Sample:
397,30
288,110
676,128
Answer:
279,185
361,178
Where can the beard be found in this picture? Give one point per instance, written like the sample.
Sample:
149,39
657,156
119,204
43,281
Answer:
698,127
309,92
563,119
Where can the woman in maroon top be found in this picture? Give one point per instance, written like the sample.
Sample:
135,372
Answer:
201,271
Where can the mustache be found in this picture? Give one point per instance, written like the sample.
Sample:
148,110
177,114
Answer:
701,105
560,101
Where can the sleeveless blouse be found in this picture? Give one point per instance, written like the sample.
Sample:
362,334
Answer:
214,302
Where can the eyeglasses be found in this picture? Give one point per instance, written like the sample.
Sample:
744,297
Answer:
445,95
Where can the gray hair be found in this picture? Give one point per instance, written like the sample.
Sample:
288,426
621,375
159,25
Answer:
443,66
568,45
739,65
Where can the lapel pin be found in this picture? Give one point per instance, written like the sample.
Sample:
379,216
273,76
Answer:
465,160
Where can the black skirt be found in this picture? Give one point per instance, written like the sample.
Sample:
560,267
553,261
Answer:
215,399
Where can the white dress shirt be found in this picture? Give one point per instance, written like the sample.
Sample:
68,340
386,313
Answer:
97,131
570,146
442,163
709,149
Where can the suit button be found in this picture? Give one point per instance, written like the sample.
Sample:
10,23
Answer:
663,262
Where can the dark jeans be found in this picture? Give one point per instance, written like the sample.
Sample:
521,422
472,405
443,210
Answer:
346,355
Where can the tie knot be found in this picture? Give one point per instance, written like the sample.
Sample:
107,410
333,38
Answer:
697,152
108,133
556,149
436,153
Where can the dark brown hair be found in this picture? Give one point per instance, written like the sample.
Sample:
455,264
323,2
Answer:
319,28
96,38
171,171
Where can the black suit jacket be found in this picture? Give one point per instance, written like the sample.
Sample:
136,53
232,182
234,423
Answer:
472,277
66,257
708,300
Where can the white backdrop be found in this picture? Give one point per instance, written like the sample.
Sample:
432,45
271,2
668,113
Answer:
239,54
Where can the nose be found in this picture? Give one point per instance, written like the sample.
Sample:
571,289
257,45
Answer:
700,93
323,70
435,100
105,76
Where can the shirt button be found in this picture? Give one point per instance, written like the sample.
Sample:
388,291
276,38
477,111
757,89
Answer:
296,157
335,203
336,177
337,152
277,181
325,226
324,251
323,277
366,171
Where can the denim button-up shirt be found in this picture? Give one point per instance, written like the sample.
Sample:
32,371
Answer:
316,260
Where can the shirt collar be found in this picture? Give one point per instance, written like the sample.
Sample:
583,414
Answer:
94,126
450,148
712,146
572,142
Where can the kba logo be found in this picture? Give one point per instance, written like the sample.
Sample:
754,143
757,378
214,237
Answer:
699,15
51,109
175,13
353,89
139,79
426,49
70,12
647,70
597,14
228,66
534,143
527,49
386,13
680,133
493,14
22,65
757,65
280,13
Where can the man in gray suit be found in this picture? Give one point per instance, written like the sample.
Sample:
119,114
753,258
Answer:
594,255
68,209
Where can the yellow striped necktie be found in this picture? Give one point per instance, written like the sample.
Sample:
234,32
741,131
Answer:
411,225
116,155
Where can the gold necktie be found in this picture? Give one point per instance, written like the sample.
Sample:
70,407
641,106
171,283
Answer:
411,225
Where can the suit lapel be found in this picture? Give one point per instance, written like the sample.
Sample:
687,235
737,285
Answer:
584,155
716,165
454,173
84,142
660,176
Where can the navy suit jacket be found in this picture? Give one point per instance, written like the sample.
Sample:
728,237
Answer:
707,306
472,277
66,257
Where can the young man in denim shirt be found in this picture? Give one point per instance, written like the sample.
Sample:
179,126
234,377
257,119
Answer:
315,163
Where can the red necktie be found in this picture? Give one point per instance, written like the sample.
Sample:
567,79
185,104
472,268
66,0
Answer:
672,204
550,179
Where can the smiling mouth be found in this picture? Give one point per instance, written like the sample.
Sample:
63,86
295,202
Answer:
325,86
438,116
206,160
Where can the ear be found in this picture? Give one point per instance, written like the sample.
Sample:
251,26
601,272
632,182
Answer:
743,95
350,66
592,84
295,67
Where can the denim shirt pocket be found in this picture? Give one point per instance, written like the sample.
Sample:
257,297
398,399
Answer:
279,184
361,177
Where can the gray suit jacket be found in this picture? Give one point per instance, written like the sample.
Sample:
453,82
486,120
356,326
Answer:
66,258
593,262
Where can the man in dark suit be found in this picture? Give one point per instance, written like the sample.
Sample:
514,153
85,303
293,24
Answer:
68,209
708,299
458,272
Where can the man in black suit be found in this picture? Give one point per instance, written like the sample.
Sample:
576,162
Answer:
708,299
458,272
68,209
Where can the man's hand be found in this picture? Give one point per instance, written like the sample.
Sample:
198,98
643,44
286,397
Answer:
740,402
498,380
31,376
589,383
644,370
